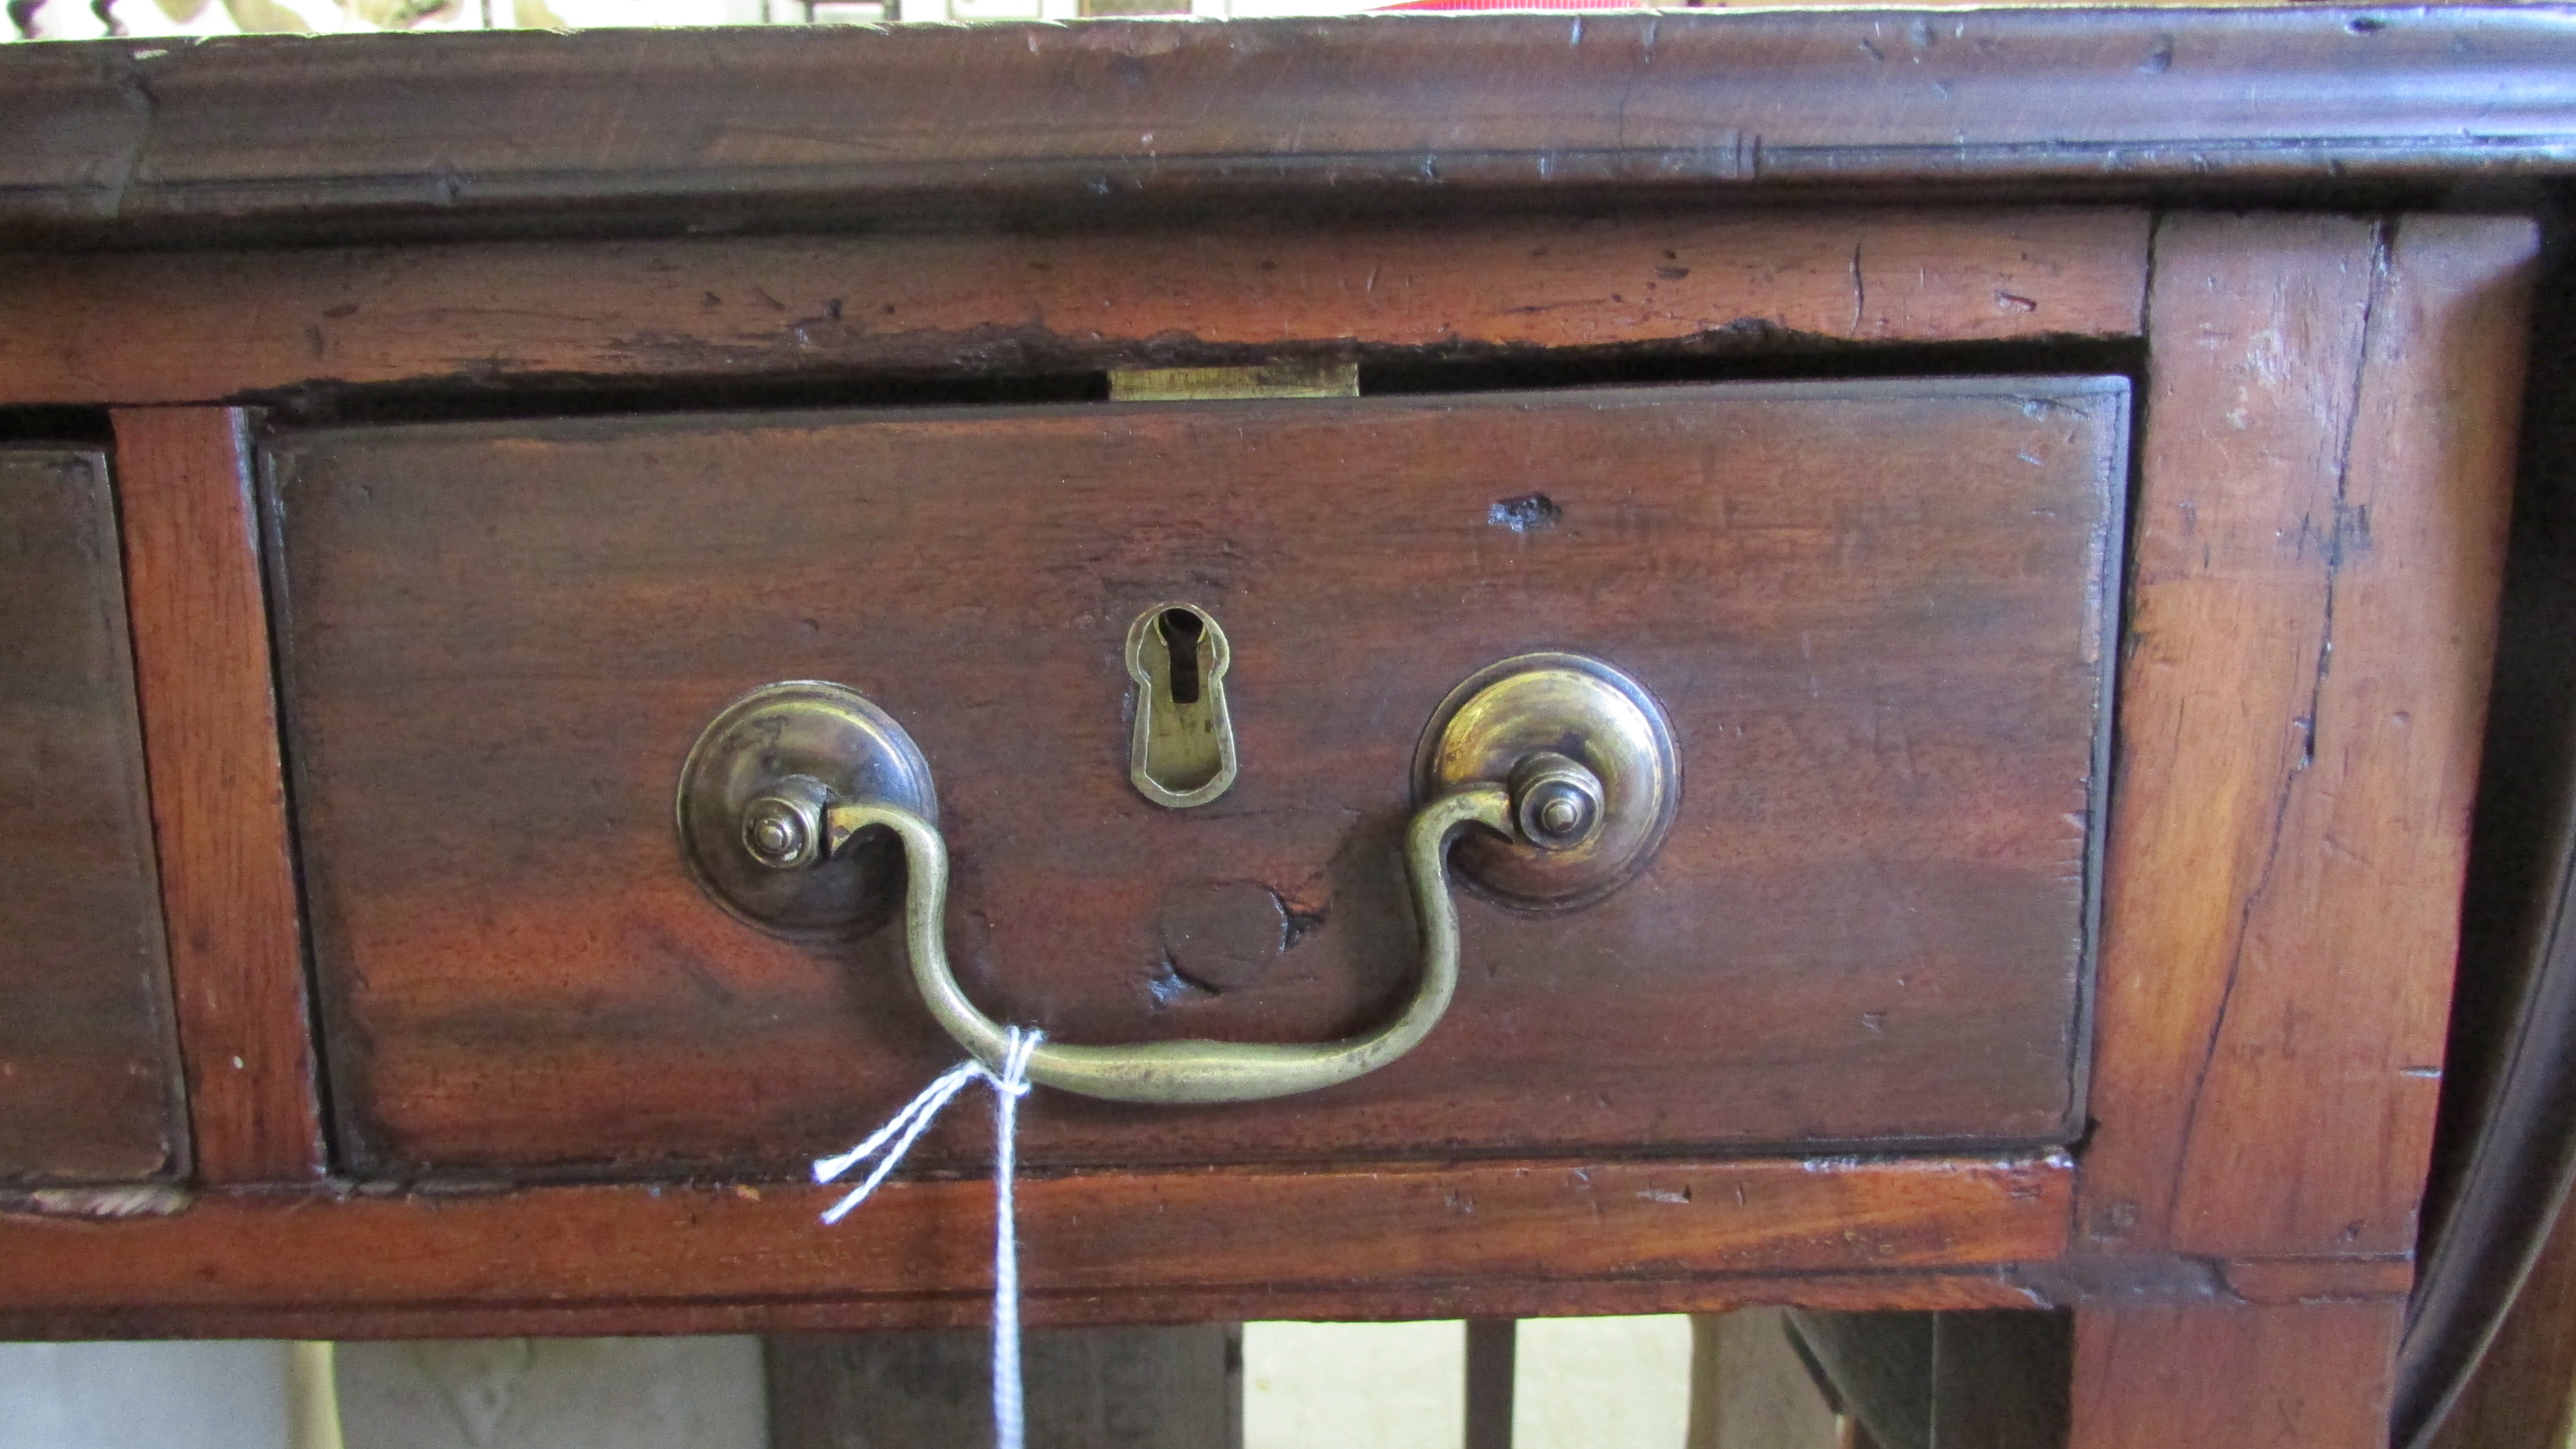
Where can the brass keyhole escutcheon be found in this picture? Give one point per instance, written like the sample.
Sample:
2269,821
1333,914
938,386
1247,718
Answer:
1182,750
1589,758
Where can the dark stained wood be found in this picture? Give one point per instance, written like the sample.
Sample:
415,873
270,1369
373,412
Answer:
218,792
1087,1388
231,323
1493,1358
2503,1153
1929,1380
441,134
1999,1380
2522,1388
2321,526
1136,1246
89,1073
2221,1376
1880,1368
1867,925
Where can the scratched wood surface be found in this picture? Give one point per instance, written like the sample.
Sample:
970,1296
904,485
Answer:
1873,610
2219,1375
1139,1246
2321,527
89,1073
436,135
201,656
233,323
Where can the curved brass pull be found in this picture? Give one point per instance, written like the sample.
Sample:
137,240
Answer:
1567,761
1194,1071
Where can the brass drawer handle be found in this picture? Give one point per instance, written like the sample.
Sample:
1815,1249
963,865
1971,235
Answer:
1566,763
1194,1071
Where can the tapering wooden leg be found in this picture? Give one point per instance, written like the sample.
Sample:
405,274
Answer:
1493,1354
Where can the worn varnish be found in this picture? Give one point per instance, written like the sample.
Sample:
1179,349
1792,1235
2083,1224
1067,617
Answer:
201,655
1138,1246
2321,524
712,129
89,1074
1873,610
963,304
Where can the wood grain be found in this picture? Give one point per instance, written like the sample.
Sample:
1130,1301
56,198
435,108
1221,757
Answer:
2321,526
89,1072
1131,1246
1867,925
218,792
2314,1376
229,324
437,135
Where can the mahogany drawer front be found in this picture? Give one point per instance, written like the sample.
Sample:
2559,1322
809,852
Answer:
1874,610
89,1079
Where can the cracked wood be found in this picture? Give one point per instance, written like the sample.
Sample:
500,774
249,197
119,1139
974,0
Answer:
2321,524
229,325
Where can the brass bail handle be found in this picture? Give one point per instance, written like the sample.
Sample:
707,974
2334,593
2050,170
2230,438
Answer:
1193,1071
786,794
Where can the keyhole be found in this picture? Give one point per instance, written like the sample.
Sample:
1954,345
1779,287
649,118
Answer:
1181,629
1182,750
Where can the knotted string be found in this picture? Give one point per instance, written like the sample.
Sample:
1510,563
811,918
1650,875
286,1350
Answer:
1009,1084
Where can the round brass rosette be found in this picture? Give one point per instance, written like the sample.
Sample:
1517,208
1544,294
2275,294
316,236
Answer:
1558,706
752,817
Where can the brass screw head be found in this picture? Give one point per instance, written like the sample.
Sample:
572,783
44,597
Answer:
1556,802
1560,814
781,832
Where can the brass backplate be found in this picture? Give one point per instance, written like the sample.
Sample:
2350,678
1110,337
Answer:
1578,707
770,735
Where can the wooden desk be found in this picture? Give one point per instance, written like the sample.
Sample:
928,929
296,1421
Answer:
503,232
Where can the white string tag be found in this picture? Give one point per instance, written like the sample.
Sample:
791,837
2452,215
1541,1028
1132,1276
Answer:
1009,1084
